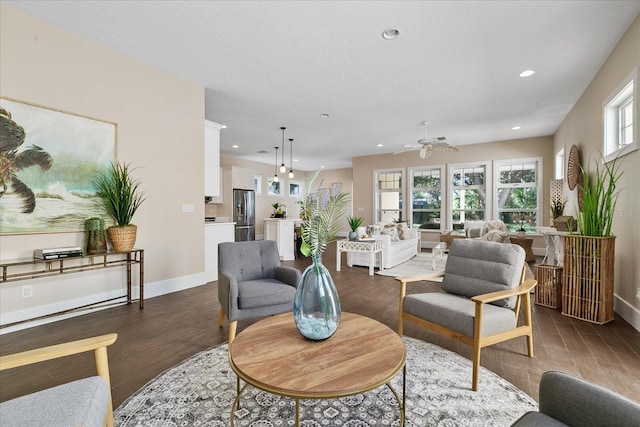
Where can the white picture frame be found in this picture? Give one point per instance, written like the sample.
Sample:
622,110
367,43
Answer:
274,188
294,188
335,188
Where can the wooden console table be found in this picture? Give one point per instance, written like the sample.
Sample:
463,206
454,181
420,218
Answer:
36,268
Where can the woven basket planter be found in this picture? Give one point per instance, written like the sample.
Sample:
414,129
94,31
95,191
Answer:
587,279
548,291
122,237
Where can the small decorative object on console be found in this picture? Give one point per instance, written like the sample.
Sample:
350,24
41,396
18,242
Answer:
57,253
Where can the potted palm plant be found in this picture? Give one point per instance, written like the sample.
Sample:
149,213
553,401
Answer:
354,223
119,195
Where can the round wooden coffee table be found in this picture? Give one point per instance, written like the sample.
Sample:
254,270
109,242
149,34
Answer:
362,355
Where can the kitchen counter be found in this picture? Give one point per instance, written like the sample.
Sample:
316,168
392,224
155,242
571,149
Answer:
214,233
282,231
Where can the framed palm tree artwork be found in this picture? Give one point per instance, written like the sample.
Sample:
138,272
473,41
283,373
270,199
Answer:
48,159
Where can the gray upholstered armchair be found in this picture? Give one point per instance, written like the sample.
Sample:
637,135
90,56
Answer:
570,401
484,289
252,283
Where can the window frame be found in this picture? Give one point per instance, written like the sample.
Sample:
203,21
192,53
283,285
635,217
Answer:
376,208
611,108
488,181
559,164
442,189
537,185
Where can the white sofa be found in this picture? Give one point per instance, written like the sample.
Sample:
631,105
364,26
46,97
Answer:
494,231
393,252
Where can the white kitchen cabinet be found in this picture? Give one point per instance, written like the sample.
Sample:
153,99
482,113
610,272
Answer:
233,177
212,175
242,178
215,233
282,231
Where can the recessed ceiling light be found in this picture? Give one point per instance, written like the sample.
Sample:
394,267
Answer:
295,160
324,115
390,34
235,146
379,145
321,167
515,127
527,73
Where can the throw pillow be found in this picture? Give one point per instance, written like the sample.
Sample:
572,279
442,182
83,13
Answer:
392,231
403,231
474,232
373,230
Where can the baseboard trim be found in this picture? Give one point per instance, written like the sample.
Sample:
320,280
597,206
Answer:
628,312
151,290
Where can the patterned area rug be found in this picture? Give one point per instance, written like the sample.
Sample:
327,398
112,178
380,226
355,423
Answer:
419,265
200,391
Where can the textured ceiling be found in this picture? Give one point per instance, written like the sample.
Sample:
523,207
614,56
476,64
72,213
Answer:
267,64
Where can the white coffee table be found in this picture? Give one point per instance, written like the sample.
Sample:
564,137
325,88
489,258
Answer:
439,249
371,247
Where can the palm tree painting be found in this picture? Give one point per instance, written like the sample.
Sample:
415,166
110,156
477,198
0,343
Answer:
11,138
47,161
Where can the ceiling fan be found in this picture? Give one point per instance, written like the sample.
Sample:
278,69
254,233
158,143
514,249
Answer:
428,145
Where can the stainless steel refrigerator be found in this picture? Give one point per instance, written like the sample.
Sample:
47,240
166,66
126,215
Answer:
244,214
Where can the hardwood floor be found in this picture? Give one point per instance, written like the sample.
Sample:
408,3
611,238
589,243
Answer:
173,327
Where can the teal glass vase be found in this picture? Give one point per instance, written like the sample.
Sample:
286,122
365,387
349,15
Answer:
316,307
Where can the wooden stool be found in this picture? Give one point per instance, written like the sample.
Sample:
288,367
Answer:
525,243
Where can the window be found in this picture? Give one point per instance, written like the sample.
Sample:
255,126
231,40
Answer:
517,193
621,119
559,170
388,197
625,122
426,198
468,194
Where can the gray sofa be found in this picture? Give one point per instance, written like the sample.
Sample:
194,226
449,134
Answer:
569,401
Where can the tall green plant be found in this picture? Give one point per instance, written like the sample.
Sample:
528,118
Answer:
319,226
599,198
119,193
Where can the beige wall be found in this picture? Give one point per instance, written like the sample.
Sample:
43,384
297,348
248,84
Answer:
363,168
583,127
160,130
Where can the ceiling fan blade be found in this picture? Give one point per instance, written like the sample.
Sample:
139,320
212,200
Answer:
443,146
408,147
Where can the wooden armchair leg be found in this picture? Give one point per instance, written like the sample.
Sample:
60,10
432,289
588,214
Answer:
221,318
476,367
232,330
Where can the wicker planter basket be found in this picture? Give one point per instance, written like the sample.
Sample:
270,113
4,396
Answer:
587,279
548,291
122,237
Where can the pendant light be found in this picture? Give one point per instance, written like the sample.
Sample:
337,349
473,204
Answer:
275,175
283,168
290,157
